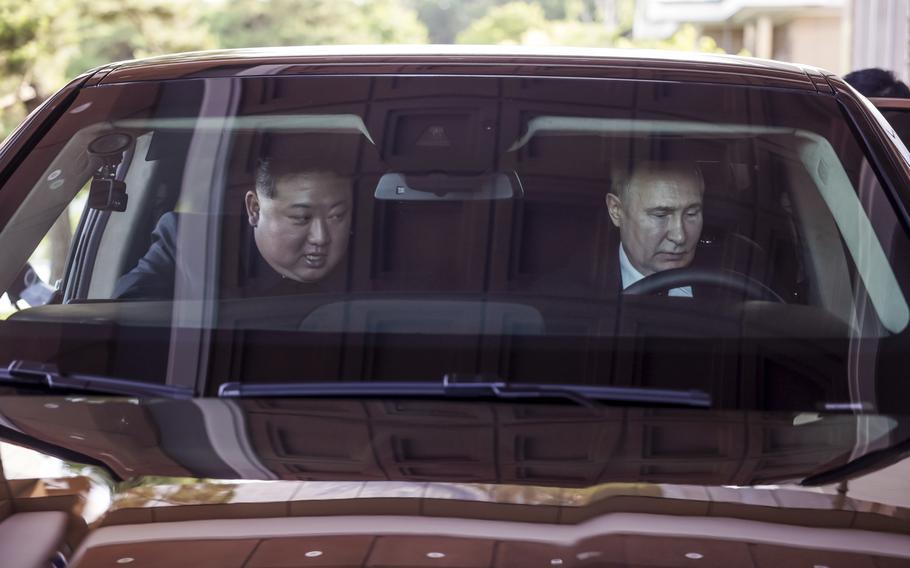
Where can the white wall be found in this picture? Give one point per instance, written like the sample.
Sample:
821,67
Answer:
880,36
813,41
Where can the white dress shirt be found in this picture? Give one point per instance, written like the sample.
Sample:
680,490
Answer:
630,275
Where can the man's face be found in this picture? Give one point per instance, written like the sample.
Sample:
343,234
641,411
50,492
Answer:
303,231
659,220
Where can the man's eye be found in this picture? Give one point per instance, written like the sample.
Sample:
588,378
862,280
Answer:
695,213
300,218
660,214
339,215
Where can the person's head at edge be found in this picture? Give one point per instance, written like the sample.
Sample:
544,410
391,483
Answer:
875,82
301,219
658,210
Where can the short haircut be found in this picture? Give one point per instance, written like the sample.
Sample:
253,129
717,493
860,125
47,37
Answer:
673,169
265,179
875,82
269,171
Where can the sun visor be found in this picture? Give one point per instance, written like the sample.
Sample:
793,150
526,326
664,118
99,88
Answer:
324,141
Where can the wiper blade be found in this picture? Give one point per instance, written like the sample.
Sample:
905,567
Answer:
872,461
580,394
47,377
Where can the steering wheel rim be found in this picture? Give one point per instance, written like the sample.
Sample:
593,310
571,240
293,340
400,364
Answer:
688,276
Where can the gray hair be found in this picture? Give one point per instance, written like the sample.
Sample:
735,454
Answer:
623,182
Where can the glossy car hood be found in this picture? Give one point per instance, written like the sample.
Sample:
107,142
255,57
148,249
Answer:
623,539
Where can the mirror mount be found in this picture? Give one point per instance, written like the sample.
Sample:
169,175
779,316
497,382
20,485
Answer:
107,193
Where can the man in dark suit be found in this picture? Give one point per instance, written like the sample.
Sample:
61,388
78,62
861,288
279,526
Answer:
658,211
301,225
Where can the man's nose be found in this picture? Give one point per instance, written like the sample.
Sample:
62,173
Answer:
319,233
676,232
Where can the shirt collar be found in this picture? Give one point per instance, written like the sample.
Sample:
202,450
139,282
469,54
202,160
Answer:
631,275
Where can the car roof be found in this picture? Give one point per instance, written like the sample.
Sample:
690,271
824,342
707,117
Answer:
458,59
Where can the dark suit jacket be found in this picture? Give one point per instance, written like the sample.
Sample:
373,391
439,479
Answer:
156,272
155,275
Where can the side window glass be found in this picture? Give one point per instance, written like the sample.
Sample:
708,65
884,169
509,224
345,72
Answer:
40,282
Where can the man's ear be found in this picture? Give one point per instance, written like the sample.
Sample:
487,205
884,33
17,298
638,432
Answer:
614,207
252,207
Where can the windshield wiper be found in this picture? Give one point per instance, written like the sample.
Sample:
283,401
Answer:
865,463
46,377
451,388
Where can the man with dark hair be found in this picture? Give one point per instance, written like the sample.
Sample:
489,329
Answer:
301,224
301,221
875,82
658,211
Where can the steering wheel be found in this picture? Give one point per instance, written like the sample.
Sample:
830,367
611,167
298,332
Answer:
721,278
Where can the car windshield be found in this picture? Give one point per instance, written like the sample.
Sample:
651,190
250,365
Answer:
195,233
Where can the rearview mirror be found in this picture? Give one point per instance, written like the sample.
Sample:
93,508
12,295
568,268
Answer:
395,186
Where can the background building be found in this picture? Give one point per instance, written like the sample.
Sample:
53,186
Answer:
881,35
815,32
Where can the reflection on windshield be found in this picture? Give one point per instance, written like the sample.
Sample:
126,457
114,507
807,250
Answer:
612,233
471,441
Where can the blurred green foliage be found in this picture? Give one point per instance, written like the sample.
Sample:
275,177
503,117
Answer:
506,24
528,23
260,23
43,43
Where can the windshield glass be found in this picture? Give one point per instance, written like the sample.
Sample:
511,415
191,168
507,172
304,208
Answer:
728,240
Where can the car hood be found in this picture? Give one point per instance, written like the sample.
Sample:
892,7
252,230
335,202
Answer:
416,482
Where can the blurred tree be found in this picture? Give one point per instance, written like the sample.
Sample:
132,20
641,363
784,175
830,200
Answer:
114,30
444,19
591,23
32,56
263,23
45,42
576,34
686,38
507,24
390,21
524,23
